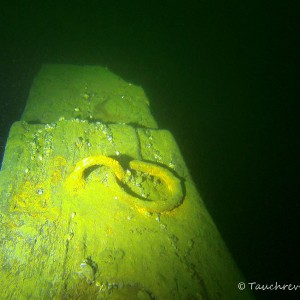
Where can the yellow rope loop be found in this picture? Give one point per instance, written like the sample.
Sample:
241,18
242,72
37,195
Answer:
76,181
172,183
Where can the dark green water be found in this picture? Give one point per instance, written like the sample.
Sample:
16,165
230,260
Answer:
221,77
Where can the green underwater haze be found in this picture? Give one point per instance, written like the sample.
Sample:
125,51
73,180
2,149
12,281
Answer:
221,77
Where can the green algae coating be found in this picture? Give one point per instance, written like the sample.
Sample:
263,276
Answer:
97,244
87,93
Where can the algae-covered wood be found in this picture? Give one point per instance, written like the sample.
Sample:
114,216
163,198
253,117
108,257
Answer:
104,210
87,93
